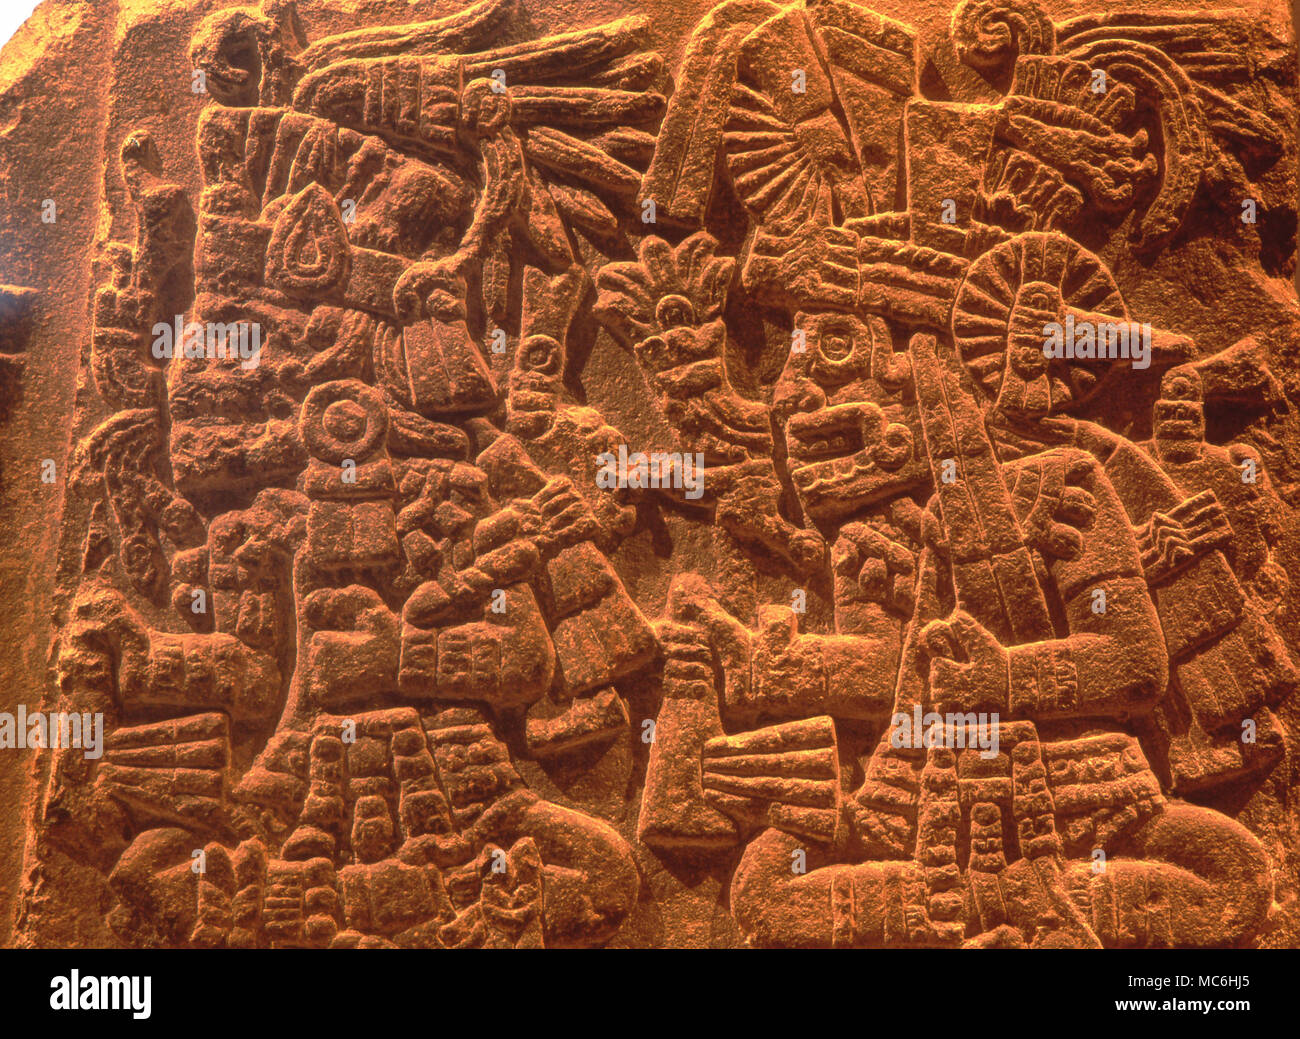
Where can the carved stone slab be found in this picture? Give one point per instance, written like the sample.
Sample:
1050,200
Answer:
554,474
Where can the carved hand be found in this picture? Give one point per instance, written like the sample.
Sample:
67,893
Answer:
816,266
969,668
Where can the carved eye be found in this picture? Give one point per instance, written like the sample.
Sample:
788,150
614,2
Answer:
1037,298
895,447
674,312
541,354
1028,362
344,420
323,328
139,556
653,353
1180,386
838,354
836,346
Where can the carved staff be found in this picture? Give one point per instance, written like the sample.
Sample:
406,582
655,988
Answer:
992,569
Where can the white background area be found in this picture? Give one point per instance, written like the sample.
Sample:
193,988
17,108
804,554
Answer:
12,14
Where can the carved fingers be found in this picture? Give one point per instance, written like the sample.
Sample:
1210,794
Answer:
815,266
1054,509
969,668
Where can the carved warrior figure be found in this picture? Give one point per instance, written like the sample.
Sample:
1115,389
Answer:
350,186
1020,539
377,650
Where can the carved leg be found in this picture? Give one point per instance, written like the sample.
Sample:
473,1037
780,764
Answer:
1199,879
869,905
590,880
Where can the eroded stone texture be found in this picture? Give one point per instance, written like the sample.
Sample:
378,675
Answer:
967,339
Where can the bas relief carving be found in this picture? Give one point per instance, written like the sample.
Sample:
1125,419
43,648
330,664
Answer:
369,631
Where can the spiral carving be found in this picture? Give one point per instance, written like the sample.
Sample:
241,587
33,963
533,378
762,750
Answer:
990,34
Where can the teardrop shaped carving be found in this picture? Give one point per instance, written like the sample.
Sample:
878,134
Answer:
309,249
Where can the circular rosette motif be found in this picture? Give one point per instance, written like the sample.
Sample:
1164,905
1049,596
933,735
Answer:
342,420
1013,301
